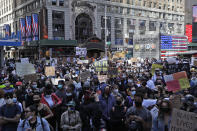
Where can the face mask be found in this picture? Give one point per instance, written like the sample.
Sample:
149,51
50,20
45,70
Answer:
60,86
42,77
9,101
29,118
6,84
133,93
116,90
14,100
71,108
34,86
165,110
36,101
130,81
118,102
138,104
47,96
68,94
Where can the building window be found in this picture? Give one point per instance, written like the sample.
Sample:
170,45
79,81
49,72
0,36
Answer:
58,25
61,2
54,2
152,26
142,26
130,30
171,26
179,28
118,31
108,29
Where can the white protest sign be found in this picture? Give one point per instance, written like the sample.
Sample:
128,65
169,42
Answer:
80,62
102,78
154,112
24,69
183,121
55,81
24,60
81,51
171,60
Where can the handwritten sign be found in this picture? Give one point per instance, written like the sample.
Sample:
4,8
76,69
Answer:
24,60
31,77
183,121
50,71
24,69
155,66
55,81
102,78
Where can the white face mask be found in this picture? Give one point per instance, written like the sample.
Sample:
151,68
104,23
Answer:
9,101
47,96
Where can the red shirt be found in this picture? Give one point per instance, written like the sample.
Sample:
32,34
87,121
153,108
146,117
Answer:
56,100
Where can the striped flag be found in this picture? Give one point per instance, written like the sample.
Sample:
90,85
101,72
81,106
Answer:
22,28
170,45
35,26
7,31
28,28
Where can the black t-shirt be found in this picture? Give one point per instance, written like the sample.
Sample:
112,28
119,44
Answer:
10,112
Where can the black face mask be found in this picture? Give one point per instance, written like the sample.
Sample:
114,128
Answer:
118,102
138,104
165,110
36,101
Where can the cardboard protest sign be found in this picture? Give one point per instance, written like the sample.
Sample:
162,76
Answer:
84,76
155,66
30,77
50,71
177,81
134,60
182,121
24,69
101,65
82,52
24,60
80,62
102,78
56,80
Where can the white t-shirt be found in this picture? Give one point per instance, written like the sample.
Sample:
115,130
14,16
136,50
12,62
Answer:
49,101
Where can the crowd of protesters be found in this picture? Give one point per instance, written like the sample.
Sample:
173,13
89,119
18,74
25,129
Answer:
122,103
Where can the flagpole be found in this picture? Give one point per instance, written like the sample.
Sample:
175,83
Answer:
105,32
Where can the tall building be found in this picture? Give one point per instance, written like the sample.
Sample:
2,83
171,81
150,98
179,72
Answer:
81,19
189,11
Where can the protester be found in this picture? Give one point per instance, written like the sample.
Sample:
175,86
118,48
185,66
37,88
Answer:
163,120
138,117
70,120
133,96
9,114
33,121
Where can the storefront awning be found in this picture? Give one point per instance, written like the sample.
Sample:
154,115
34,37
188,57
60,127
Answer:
9,43
54,43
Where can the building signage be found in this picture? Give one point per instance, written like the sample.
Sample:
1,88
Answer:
146,46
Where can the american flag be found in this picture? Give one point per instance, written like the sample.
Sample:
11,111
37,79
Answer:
35,26
170,45
7,30
28,28
22,28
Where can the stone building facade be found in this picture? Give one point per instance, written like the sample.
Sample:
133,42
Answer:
80,19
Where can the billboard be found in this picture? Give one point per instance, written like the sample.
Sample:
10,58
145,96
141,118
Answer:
146,46
189,32
194,33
